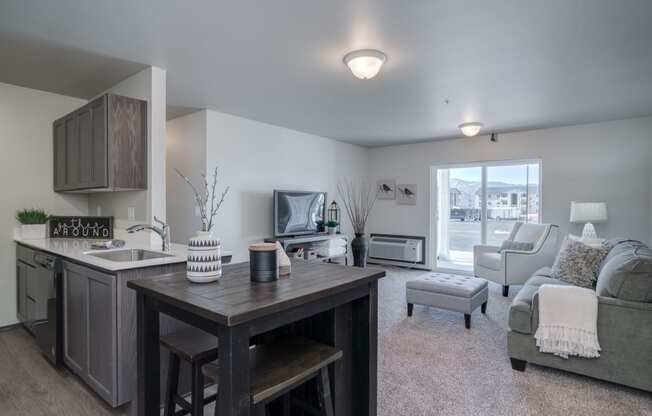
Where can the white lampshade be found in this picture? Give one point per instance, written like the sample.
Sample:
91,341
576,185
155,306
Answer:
582,212
366,63
470,129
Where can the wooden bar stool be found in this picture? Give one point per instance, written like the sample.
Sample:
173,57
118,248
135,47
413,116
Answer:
197,348
281,366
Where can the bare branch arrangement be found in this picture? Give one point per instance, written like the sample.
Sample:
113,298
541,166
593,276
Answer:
207,212
358,200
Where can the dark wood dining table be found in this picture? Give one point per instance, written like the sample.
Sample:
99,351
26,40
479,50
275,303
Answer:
333,304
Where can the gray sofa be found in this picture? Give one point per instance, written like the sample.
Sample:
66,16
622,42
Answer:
624,291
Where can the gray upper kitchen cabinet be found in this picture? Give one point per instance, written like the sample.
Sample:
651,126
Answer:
102,146
90,339
60,177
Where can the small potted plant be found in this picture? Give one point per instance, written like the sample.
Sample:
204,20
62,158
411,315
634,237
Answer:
331,227
32,223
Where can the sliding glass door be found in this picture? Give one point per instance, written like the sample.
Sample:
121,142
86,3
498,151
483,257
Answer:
479,204
459,226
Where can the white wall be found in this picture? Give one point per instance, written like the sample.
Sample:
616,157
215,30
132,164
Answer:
185,151
149,85
594,162
254,159
26,176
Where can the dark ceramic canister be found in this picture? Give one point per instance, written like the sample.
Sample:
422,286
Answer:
263,262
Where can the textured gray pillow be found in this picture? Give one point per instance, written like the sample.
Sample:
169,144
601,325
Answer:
628,275
516,245
577,263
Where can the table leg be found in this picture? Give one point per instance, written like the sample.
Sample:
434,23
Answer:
233,398
365,353
342,369
148,397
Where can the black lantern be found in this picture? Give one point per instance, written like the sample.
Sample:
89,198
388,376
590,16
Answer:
334,214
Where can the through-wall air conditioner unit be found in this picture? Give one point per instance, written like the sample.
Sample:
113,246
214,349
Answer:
395,249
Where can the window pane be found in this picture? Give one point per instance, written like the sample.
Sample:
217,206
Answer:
512,195
533,196
459,227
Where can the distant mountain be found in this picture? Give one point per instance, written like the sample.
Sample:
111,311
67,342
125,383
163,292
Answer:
470,188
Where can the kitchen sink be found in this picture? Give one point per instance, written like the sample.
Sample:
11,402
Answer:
134,254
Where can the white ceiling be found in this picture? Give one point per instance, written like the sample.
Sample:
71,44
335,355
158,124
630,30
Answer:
61,70
509,64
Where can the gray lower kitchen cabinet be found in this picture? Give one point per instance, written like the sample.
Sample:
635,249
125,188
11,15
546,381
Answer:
99,320
22,270
102,338
102,146
75,317
98,328
90,339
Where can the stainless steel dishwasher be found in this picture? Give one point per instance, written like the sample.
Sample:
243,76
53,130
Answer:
39,292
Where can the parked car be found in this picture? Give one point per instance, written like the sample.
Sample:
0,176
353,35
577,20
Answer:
465,214
457,214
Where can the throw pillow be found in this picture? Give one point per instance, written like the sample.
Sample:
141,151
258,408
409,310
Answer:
516,245
578,263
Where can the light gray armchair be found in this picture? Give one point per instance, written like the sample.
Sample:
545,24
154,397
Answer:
512,267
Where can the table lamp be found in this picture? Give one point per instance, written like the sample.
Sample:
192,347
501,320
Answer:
588,213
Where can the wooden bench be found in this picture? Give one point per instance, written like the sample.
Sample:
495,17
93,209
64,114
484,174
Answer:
282,365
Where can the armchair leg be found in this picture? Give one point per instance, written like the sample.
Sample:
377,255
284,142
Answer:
518,365
505,290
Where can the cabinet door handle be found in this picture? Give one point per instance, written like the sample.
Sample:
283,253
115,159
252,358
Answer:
43,261
26,264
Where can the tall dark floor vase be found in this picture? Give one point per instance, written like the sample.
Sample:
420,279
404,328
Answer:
360,249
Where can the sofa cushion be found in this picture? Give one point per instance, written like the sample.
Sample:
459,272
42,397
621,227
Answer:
520,312
618,246
529,233
627,275
490,260
578,263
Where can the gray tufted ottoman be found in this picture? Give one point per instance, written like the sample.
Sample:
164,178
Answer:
448,291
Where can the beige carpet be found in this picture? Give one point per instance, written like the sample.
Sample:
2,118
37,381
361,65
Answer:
430,364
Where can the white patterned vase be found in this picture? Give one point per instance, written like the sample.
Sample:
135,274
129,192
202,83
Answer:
204,263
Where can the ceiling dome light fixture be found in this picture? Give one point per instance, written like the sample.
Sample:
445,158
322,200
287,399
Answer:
470,129
365,63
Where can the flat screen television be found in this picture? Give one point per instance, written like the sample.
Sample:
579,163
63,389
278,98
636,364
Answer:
298,212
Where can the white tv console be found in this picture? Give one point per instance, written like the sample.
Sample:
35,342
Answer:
307,240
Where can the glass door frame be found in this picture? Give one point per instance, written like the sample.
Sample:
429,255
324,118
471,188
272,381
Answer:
433,212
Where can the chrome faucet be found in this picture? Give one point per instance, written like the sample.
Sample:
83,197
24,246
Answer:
163,231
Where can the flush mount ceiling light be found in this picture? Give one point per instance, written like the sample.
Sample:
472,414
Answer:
365,63
470,129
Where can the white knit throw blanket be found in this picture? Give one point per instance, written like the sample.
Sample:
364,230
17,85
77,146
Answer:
568,321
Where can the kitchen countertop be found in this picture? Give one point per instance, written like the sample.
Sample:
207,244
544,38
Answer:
78,250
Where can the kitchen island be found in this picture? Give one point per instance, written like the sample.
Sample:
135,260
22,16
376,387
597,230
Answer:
333,304
81,313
